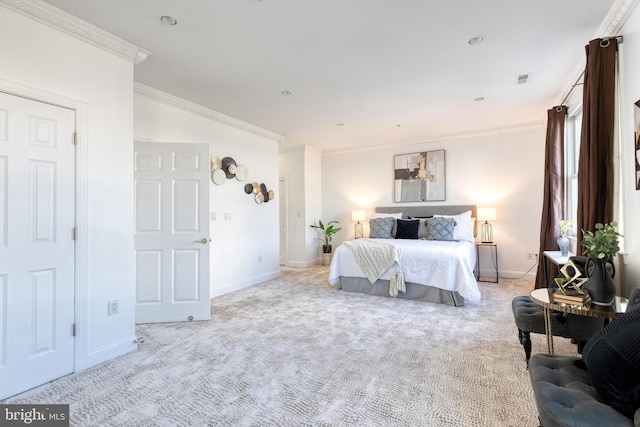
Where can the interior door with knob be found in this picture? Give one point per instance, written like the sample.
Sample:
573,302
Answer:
171,232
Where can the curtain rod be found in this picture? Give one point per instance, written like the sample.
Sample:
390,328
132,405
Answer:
619,39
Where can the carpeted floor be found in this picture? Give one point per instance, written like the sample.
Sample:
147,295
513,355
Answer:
296,352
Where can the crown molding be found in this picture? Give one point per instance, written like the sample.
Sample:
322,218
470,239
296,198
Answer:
470,134
611,26
616,17
183,104
284,149
73,26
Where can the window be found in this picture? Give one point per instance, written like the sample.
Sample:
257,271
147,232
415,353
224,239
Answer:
571,153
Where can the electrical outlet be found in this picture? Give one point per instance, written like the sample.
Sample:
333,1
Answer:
530,255
114,307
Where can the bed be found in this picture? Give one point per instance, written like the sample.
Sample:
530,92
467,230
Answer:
435,270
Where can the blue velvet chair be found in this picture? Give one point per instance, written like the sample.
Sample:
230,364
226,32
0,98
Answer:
600,389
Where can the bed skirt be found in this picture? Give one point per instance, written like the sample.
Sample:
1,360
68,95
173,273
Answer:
414,291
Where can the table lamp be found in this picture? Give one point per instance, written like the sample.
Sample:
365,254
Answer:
486,230
358,215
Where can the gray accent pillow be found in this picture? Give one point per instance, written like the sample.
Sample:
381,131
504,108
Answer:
380,228
440,228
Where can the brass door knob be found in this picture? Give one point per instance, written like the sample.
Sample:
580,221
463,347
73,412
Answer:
204,241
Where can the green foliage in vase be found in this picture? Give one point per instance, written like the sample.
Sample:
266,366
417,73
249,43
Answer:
603,242
329,231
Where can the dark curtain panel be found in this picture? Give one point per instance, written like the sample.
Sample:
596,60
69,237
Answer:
595,167
553,201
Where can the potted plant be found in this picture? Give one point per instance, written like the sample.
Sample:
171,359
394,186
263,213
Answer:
328,231
601,245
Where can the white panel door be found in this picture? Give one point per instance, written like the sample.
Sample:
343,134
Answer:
37,258
172,232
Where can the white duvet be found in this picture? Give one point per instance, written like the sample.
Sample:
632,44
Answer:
444,265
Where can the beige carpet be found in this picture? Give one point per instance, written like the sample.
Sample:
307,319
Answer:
296,352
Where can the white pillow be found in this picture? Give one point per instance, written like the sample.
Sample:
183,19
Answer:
385,215
464,226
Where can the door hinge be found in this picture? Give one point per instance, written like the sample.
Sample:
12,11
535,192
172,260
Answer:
75,233
75,138
73,330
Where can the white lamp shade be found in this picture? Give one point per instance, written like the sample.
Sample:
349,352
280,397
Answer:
358,215
486,214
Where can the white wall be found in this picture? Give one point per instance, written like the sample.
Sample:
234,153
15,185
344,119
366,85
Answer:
244,249
630,93
504,170
48,63
300,167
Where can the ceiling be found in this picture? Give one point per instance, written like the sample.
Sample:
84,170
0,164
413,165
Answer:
359,72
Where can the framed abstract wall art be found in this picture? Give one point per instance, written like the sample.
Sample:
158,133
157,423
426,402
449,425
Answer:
419,177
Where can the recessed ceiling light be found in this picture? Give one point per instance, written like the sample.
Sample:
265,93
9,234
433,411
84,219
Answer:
476,40
480,98
286,92
168,20
339,124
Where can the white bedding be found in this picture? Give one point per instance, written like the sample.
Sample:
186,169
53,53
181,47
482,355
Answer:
440,264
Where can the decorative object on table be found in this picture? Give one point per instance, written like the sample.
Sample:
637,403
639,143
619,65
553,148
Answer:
563,240
328,233
601,245
486,229
570,284
358,215
419,177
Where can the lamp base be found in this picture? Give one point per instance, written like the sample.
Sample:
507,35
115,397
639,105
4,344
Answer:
358,231
486,233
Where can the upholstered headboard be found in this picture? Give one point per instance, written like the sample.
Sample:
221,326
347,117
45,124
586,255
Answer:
424,211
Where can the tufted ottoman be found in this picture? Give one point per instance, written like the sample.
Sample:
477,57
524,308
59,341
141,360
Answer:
529,317
565,395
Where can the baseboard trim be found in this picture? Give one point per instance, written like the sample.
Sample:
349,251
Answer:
303,264
510,274
245,284
108,352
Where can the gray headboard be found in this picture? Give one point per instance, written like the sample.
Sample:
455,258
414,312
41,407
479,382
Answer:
408,211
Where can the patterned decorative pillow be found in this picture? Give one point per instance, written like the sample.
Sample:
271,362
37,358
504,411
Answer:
613,361
380,228
423,225
440,228
407,229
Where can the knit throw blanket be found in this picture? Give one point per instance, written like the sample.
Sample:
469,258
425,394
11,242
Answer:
374,258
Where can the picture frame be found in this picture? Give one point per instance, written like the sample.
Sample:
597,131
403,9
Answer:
419,177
